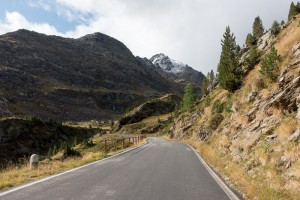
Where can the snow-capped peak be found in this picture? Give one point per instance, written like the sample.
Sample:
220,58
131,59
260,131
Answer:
167,64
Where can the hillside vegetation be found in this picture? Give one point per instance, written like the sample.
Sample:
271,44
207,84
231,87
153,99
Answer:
249,134
252,134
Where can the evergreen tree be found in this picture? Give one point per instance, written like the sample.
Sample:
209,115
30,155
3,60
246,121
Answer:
269,67
250,40
275,28
293,11
204,87
253,56
54,150
282,22
229,70
189,97
74,141
257,28
211,77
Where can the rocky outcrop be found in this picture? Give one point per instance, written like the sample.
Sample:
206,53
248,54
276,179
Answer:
265,41
159,106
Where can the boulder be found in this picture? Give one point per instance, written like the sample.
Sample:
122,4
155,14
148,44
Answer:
252,95
265,41
295,136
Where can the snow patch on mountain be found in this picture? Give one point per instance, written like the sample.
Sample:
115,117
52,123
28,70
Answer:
167,64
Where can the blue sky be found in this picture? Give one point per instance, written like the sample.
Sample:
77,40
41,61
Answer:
34,12
187,30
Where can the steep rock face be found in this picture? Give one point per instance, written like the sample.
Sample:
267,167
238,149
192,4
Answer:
93,77
178,70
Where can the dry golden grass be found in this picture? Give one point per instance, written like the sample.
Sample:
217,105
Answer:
252,187
17,175
286,128
288,37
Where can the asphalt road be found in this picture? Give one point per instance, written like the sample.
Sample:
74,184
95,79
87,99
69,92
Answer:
159,170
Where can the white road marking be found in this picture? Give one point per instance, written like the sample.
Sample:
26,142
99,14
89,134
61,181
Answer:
227,190
188,149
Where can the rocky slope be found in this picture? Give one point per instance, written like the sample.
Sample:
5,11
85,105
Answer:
93,77
256,130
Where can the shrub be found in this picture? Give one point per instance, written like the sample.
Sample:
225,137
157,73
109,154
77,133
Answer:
218,107
70,152
215,121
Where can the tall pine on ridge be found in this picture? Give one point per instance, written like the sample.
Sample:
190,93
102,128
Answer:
229,69
257,28
294,10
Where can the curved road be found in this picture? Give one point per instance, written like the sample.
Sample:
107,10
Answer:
159,170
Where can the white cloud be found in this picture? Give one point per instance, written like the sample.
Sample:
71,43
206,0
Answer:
14,21
189,31
40,3
186,30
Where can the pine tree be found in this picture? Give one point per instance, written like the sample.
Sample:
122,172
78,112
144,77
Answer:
204,87
257,28
269,67
74,141
275,28
229,70
282,22
253,56
250,40
211,77
189,97
294,10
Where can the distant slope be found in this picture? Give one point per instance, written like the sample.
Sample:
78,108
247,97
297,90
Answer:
93,77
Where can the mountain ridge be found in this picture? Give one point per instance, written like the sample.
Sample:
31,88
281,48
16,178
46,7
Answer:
92,77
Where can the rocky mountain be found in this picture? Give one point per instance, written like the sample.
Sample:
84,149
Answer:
180,71
93,77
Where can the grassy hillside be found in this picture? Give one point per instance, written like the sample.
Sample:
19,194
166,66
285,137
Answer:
252,135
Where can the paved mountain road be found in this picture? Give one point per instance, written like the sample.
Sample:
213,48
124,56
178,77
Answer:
159,170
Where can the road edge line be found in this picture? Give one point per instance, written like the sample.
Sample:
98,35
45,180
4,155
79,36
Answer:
65,172
220,182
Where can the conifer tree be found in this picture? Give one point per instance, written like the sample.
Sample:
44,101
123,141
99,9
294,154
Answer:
189,97
204,87
275,28
257,28
250,40
292,11
269,67
253,56
211,77
229,70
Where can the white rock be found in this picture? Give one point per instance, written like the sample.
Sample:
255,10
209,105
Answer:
34,161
